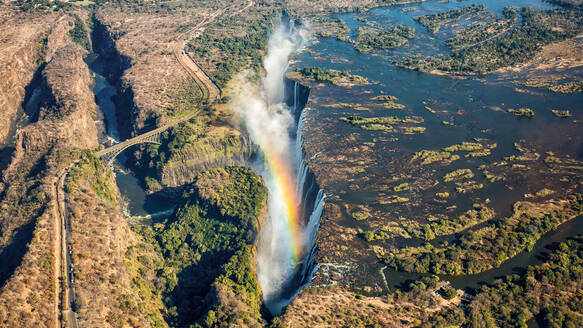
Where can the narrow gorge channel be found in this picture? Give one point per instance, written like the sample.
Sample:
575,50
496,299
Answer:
106,66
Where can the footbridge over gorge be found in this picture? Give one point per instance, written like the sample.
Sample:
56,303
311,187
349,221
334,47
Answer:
107,155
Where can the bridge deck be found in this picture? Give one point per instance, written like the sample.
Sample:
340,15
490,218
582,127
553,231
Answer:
139,138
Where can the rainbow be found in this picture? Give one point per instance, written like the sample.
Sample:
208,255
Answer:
284,178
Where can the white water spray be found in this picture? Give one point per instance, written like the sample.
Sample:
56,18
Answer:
271,126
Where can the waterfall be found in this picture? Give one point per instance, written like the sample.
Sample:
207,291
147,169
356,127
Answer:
273,115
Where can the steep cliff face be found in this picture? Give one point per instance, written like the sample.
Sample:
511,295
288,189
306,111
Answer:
22,49
183,167
67,107
142,46
28,217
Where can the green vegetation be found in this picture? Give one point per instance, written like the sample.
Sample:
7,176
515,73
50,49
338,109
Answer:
383,123
434,21
568,87
207,274
326,27
330,75
550,291
402,187
520,44
490,246
484,31
464,146
185,99
449,293
433,156
192,144
369,39
468,186
458,174
101,179
521,112
448,226
356,120
393,105
79,34
556,85
237,192
413,129
394,199
376,127
236,51
359,215
561,113
385,98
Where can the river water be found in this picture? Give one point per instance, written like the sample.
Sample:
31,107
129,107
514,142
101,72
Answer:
476,107
137,202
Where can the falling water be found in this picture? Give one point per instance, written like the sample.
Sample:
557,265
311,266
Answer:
274,121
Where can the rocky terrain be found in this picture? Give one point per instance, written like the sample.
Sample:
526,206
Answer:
62,121
22,51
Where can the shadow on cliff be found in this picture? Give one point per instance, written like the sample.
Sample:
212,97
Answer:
11,256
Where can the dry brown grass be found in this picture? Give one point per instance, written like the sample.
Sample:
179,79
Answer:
100,239
20,34
336,307
27,299
148,38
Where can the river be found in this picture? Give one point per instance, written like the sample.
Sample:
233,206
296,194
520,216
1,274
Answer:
475,108
138,203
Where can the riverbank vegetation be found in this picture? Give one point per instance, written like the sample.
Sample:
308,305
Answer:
434,21
369,39
550,291
490,246
518,45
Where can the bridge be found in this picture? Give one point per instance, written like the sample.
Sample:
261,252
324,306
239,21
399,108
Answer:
107,155
210,92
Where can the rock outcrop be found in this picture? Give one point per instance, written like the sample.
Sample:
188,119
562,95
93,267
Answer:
22,47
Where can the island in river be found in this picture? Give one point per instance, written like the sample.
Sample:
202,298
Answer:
442,176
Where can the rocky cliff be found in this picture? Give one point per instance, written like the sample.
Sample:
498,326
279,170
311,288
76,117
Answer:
63,121
22,50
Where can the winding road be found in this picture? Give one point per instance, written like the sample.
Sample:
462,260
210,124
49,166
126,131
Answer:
64,308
